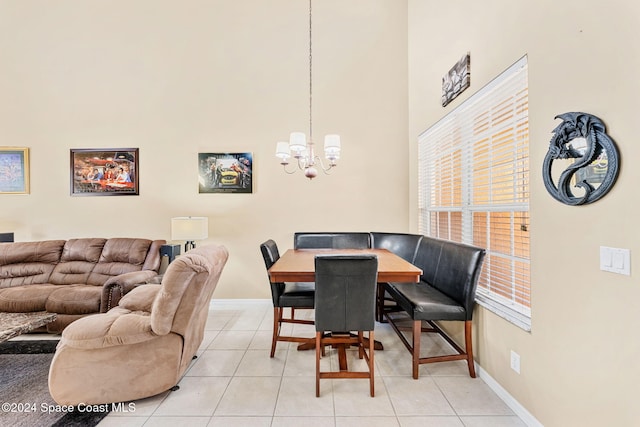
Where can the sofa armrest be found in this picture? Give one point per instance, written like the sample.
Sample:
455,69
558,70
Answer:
118,286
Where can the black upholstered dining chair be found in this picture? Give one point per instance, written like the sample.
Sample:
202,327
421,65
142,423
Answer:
345,302
291,295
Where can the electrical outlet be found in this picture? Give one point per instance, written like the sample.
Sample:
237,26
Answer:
515,361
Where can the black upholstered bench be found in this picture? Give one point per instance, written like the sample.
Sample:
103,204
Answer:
446,292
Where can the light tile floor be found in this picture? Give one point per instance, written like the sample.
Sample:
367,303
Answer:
234,382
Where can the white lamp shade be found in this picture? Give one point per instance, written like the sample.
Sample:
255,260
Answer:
332,146
189,228
282,150
297,141
332,141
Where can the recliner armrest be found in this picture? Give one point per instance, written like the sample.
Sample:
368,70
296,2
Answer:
118,286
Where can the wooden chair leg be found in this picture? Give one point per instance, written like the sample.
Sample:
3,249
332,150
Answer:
277,315
468,345
415,352
366,347
318,345
371,364
380,302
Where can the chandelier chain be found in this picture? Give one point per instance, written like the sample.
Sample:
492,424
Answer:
310,79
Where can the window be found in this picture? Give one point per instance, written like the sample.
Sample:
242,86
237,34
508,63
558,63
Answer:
474,188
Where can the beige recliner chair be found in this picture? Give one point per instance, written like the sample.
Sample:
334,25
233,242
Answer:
144,345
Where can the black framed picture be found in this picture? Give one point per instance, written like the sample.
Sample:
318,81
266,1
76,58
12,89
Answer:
225,172
456,80
104,172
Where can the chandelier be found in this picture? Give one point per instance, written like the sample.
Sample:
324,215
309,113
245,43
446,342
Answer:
303,150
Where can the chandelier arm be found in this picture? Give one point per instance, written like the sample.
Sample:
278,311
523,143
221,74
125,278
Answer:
284,167
302,163
324,168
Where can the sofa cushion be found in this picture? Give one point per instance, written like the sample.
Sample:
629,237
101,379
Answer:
24,299
119,256
125,250
74,299
79,256
47,251
89,249
25,263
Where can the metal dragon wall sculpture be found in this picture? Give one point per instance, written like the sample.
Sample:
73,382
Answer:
595,166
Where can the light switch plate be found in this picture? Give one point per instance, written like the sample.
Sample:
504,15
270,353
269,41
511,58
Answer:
615,260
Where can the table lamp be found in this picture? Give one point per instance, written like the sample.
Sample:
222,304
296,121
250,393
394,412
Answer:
189,229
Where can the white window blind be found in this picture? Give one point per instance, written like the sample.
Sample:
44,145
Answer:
474,188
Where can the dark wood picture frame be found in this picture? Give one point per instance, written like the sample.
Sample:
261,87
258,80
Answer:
105,172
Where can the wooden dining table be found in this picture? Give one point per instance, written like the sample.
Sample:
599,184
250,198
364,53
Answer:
298,265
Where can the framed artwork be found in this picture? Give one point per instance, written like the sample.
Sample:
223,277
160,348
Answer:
456,80
14,170
104,172
225,173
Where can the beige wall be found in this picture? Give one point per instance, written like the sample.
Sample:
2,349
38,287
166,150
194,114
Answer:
579,363
176,78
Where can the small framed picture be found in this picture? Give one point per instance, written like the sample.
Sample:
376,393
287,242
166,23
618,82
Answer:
456,80
14,170
104,172
225,172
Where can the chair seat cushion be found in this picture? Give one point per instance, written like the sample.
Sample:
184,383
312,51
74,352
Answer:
423,302
298,294
117,327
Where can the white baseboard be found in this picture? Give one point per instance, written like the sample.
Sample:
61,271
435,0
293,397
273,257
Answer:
511,402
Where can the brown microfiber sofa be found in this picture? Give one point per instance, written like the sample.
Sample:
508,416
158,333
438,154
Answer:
75,277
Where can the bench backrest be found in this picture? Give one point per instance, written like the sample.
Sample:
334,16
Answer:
329,240
452,268
403,245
